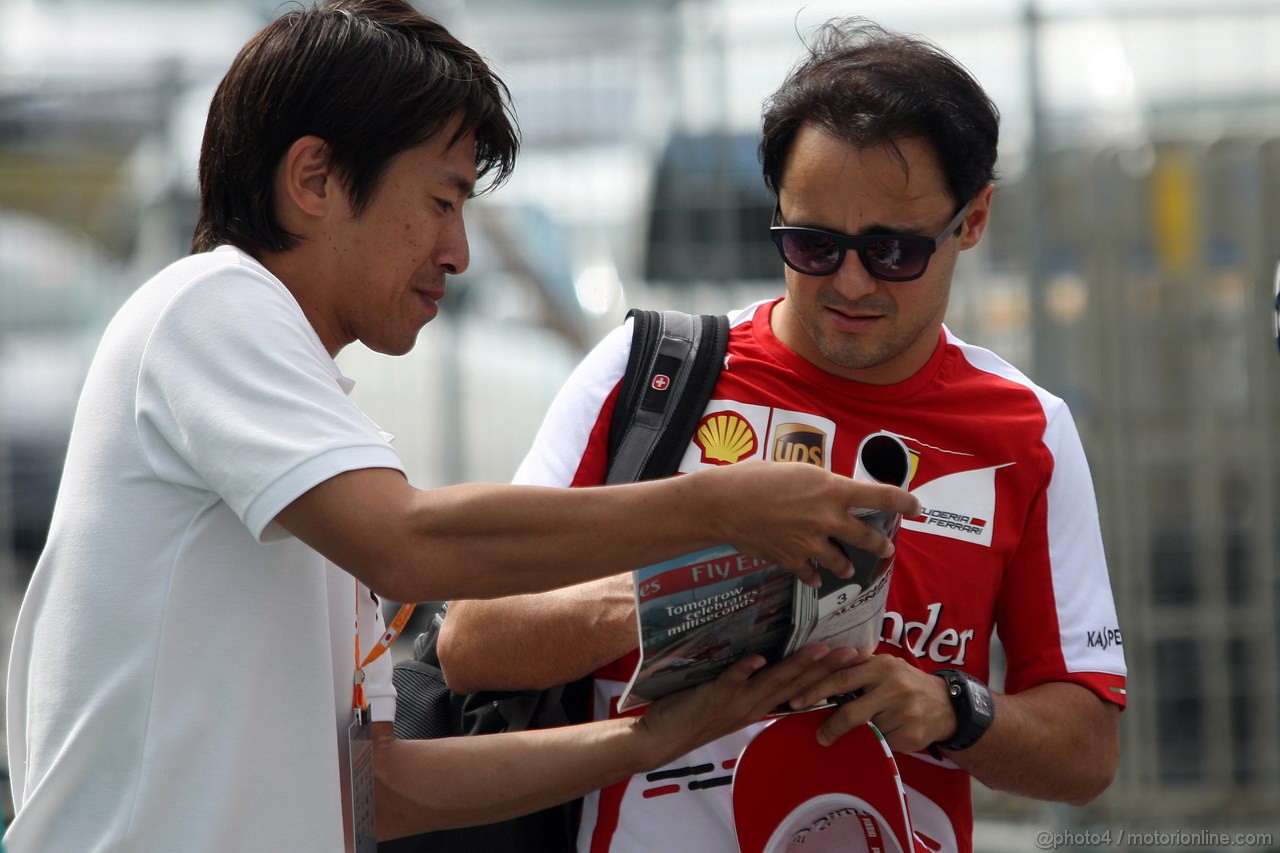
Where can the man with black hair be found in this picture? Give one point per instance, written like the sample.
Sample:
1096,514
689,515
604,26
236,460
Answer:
881,151
185,672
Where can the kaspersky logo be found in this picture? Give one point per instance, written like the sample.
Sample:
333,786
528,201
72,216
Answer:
958,506
724,438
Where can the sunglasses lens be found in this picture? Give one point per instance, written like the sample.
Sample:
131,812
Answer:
894,259
811,252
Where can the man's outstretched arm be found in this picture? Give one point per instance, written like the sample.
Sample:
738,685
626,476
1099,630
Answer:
484,541
425,785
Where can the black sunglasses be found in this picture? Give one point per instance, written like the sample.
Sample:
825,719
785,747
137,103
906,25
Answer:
888,257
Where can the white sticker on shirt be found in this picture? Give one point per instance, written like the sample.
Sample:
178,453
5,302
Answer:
801,437
729,432
958,506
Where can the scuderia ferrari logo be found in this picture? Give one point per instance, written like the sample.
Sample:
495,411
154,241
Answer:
954,521
958,506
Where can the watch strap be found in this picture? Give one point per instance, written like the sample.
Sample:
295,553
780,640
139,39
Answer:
974,709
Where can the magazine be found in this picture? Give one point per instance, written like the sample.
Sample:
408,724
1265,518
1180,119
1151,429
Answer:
700,613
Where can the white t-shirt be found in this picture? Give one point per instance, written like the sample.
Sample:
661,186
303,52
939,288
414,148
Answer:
181,669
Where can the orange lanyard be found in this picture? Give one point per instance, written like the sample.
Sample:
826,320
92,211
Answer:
388,637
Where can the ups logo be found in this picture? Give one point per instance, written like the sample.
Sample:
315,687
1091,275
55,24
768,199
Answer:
799,443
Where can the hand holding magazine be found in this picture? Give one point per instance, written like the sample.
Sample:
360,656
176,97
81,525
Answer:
699,613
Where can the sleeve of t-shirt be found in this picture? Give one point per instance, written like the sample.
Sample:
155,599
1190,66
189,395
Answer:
1057,616
237,396
572,445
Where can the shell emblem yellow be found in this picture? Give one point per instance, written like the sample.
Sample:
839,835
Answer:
725,438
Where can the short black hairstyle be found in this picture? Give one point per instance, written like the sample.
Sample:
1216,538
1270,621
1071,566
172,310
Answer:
372,78
867,86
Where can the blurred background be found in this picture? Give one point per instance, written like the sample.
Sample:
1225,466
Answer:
1128,268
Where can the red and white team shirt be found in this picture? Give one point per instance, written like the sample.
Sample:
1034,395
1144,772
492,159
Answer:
1008,539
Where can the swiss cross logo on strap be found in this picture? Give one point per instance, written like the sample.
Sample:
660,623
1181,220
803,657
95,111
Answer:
660,382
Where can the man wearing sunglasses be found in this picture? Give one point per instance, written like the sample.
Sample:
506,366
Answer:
881,151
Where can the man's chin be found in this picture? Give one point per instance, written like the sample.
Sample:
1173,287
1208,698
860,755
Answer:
845,353
402,347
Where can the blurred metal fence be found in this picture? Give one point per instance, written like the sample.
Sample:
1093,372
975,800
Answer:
1177,369
1173,361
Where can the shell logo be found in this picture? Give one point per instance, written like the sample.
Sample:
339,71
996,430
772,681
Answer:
724,438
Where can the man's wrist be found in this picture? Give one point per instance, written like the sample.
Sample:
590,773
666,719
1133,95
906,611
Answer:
711,502
974,709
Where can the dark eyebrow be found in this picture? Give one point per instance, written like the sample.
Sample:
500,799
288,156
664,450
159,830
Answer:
461,184
875,229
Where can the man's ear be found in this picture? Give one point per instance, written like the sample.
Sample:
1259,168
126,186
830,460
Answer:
306,179
975,223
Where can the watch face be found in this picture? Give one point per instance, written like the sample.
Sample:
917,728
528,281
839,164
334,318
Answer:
981,701
975,710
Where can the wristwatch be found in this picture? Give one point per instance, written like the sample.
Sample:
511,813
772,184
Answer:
971,700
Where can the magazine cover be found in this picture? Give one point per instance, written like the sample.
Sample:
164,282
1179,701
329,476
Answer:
699,613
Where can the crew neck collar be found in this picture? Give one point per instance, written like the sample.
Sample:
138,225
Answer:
762,328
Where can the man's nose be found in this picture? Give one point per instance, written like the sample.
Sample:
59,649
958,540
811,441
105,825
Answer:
852,280
453,254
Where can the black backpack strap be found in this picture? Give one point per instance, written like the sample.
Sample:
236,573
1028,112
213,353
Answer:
671,372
